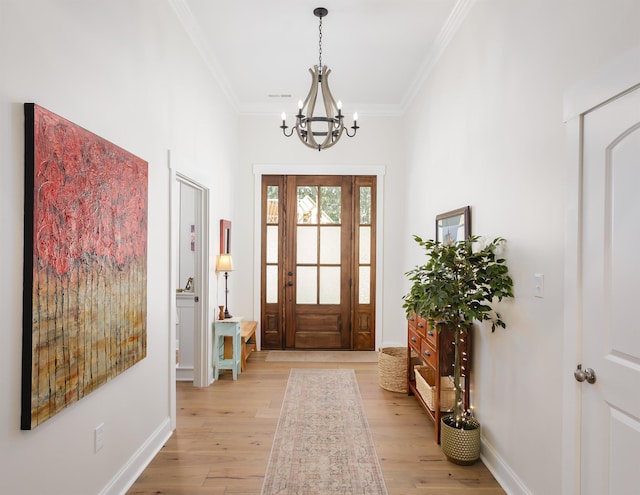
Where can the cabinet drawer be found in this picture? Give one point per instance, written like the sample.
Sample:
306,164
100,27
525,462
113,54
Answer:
415,341
421,326
413,322
428,353
432,336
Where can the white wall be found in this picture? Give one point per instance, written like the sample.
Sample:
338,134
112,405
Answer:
486,130
125,70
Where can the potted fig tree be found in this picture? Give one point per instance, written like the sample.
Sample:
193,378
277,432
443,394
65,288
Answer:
455,287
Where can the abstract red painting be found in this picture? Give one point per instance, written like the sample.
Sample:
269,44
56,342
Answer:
85,264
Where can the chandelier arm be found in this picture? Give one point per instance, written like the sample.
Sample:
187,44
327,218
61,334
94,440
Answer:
309,106
355,129
284,130
330,108
310,101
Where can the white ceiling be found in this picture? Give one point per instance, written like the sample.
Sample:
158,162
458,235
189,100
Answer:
378,51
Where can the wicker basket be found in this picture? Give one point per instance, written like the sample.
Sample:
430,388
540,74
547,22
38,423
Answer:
425,383
460,446
392,368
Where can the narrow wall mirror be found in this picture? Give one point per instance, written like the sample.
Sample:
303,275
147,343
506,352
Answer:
225,237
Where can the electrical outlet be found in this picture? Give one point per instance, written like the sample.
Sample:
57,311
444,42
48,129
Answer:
98,436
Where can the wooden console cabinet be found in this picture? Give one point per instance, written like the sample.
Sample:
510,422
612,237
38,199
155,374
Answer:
436,352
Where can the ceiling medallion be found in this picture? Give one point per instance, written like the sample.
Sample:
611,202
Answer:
308,125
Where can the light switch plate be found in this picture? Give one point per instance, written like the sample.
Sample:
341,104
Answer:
538,287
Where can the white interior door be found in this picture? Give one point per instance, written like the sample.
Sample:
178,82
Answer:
610,269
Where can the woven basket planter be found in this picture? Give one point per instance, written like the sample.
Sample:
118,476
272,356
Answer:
460,446
392,368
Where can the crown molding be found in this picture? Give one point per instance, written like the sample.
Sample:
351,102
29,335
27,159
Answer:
186,18
448,31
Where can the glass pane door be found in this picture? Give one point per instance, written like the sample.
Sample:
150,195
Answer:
317,262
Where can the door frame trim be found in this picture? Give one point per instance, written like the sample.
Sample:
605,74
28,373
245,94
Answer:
617,78
377,170
202,367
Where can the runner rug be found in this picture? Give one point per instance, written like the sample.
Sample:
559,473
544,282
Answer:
323,444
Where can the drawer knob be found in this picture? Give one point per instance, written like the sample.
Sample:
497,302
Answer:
421,325
427,353
413,339
430,333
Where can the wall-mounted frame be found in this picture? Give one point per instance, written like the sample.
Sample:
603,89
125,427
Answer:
454,225
225,236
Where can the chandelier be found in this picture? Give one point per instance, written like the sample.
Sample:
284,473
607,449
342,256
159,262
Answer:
319,131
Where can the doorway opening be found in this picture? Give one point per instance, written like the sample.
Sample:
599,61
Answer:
190,339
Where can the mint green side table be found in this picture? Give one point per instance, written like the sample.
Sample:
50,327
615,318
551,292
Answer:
222,329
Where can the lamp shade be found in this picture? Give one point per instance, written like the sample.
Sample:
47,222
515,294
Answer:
224,263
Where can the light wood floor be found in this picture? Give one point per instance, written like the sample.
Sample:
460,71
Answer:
224,433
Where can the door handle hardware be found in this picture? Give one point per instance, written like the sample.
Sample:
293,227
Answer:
289,283
587,374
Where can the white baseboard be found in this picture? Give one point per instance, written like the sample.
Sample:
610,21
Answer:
184,374
123,480
501,471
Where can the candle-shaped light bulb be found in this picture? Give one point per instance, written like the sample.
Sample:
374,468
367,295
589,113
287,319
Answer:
299,104
284,117
339,105
355,117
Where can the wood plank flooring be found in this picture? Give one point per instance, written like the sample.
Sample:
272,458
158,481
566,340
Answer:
224,434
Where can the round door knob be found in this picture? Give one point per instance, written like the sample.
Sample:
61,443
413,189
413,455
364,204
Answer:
587,374
289,283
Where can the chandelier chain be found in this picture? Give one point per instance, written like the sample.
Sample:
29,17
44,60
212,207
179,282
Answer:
320,46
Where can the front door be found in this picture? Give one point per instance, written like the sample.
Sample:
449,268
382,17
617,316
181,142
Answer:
318,241
610,437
